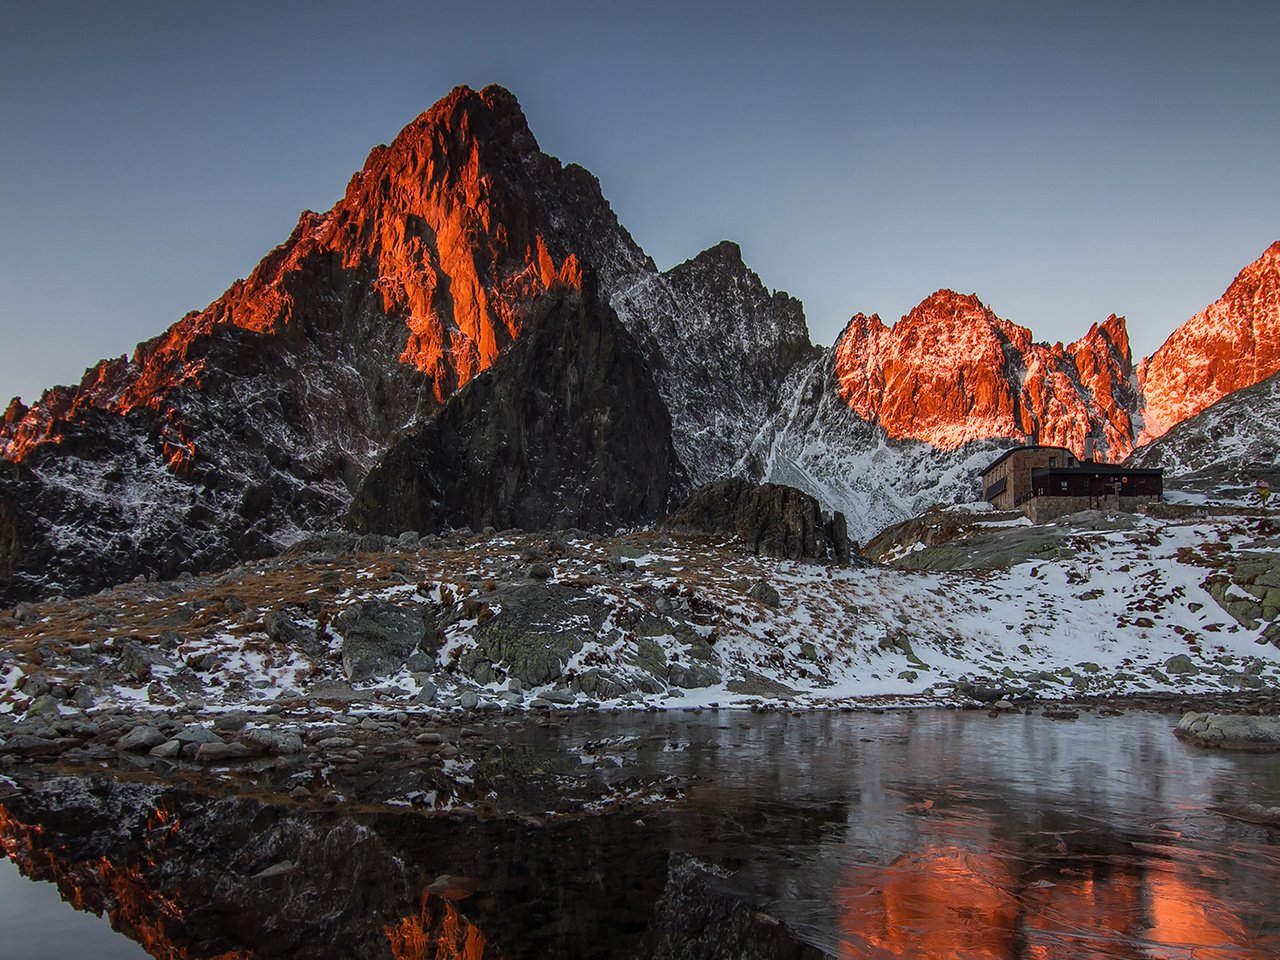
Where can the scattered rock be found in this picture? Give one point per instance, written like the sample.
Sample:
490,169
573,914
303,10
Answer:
216,752
278,742
335,743
141,739
286,631
44,705
137,660
198,734
26,745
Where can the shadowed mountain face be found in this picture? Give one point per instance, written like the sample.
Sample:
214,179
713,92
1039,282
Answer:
566,430
253,422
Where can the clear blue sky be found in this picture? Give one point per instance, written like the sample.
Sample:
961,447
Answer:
1061,160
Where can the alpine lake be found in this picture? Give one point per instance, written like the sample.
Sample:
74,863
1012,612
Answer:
871,834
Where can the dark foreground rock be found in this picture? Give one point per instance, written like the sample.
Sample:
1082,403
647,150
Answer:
565,430
773,519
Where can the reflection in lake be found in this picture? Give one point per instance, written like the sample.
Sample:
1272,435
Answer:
904,835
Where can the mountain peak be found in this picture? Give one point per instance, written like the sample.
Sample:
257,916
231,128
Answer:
948,303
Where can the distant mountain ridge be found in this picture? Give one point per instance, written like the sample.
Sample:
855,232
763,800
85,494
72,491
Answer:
255,421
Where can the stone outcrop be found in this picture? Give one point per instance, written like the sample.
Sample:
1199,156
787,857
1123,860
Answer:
772,519
379,637
566,430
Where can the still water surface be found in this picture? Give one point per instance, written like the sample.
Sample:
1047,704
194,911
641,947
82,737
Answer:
901,835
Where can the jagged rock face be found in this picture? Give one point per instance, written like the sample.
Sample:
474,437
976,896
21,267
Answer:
774,520
1223,452
453,231
1233,343
249,423
720,345
566,430
951,371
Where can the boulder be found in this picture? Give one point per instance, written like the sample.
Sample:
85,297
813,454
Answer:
378,637
765,593
274,741
540,626
1230,731
136,660
27,745
217,752
141,739
284,630
772,519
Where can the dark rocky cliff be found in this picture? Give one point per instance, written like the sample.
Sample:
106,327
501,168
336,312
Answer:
565,430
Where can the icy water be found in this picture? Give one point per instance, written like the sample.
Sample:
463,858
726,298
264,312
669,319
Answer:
915,835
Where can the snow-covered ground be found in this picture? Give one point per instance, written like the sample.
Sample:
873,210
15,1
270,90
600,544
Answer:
1109,608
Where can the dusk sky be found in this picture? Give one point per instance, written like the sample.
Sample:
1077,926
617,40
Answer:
1063,161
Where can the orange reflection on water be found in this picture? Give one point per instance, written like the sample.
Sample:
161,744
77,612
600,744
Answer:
1183,914
951,903
436,932
946,902
126,894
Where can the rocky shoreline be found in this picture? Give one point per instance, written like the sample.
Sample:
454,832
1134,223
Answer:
468,760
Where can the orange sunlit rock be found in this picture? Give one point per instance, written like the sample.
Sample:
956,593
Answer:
1231,344
430,228
951,371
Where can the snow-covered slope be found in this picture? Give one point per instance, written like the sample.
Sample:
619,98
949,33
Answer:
720,345
1143,606
820,445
